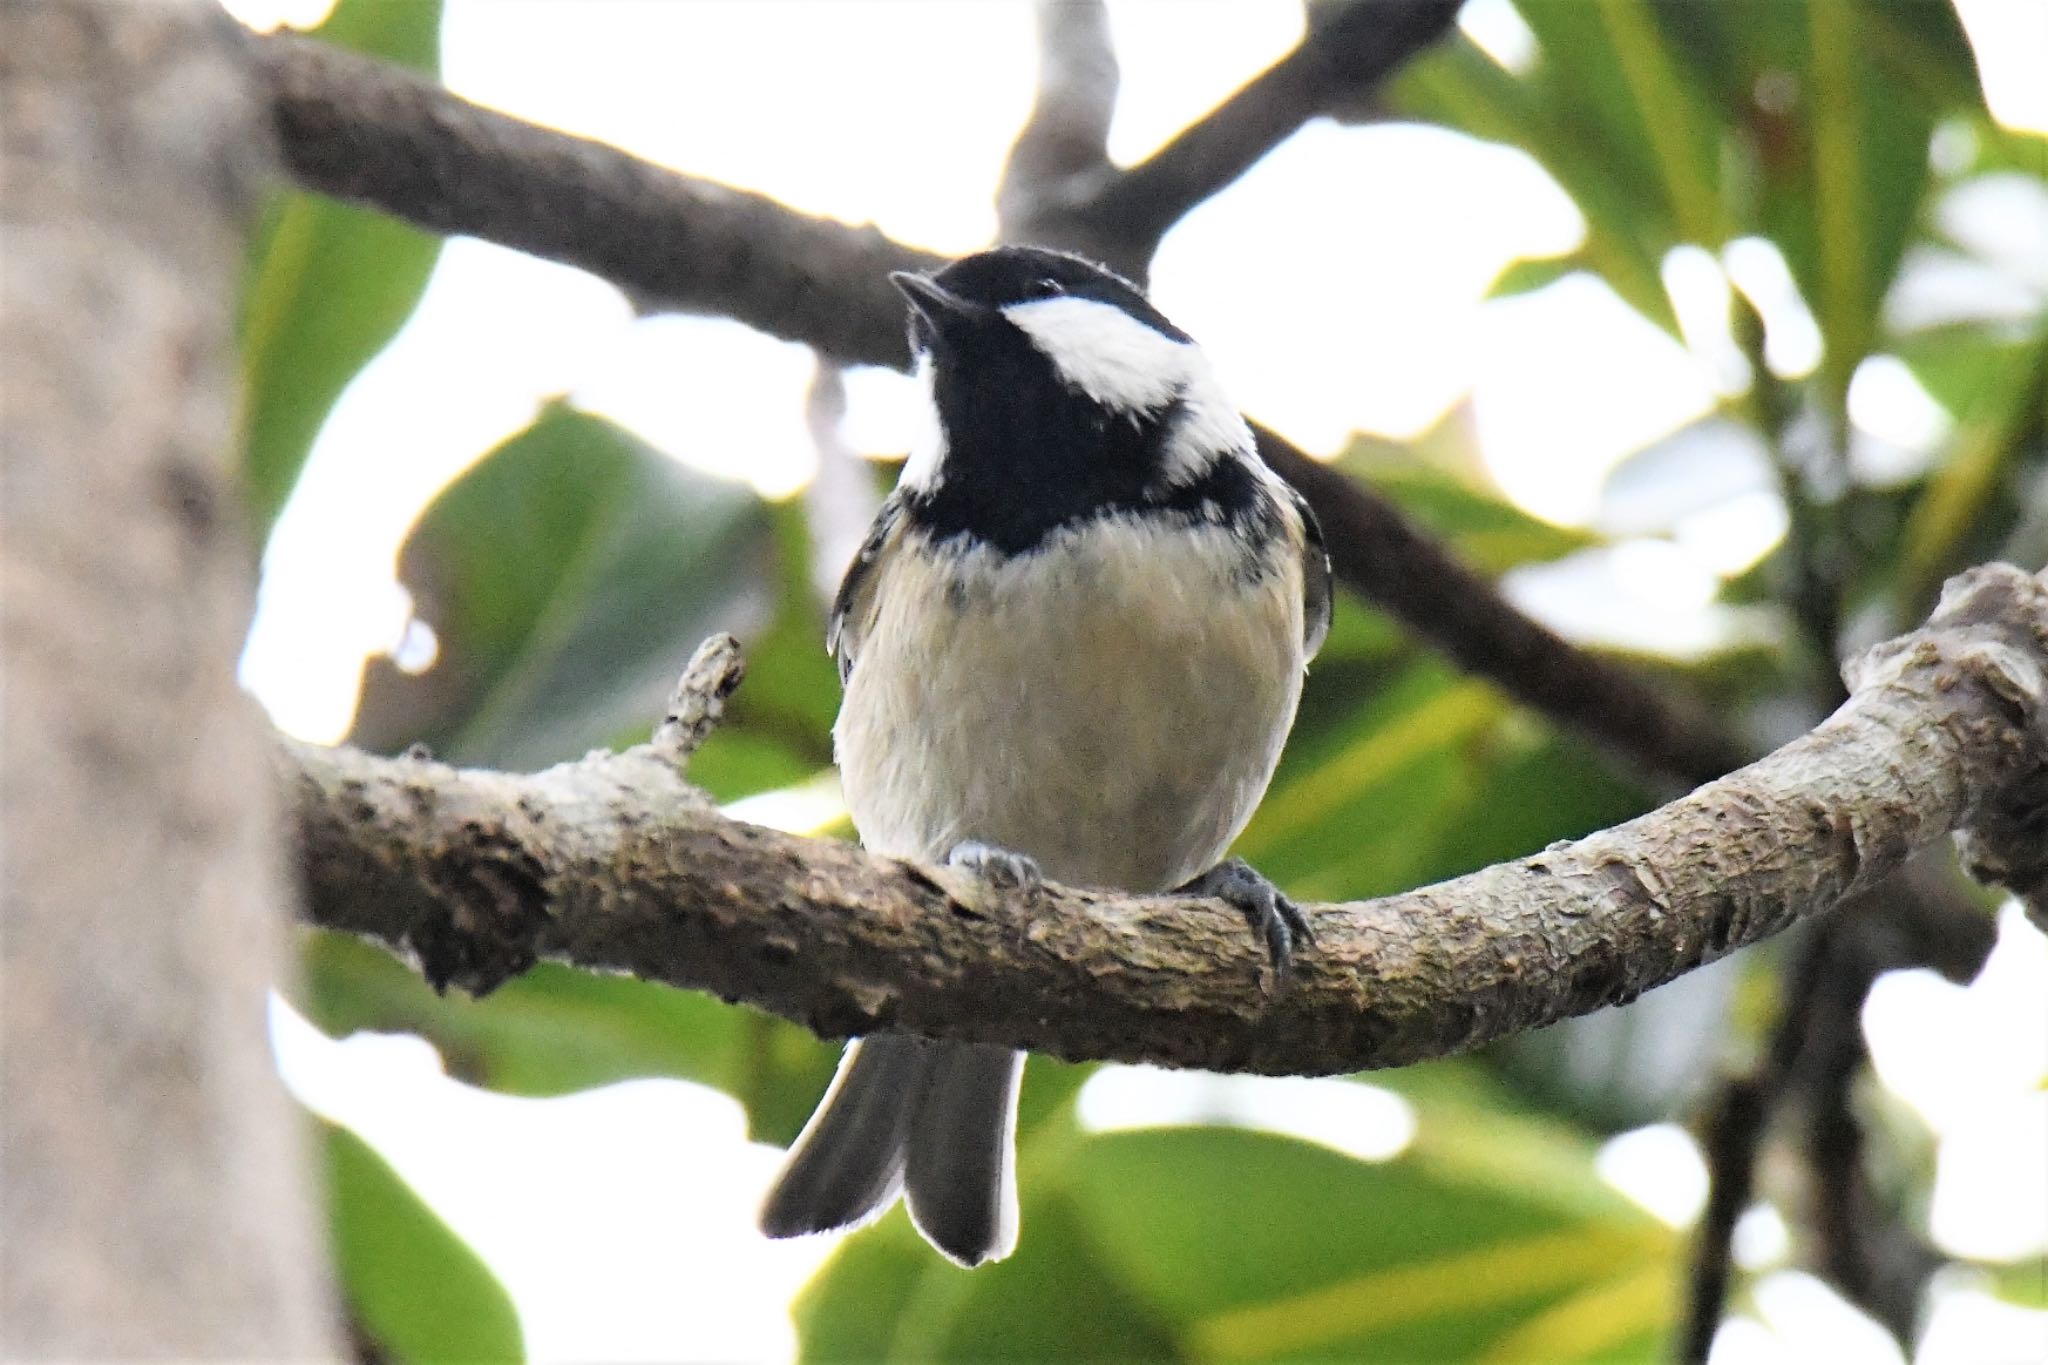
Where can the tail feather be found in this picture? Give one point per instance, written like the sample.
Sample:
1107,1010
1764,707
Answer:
848,1163
960,1174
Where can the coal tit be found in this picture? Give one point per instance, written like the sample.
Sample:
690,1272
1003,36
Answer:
1072,644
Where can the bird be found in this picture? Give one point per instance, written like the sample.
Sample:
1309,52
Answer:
1070,649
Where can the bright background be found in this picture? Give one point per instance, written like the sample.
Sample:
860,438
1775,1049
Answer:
900,114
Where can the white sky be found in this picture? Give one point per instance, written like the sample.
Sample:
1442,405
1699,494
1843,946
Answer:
1358,308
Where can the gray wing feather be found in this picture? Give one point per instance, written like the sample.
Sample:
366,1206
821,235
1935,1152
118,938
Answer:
854,601
1318,596
960,1177
847,1165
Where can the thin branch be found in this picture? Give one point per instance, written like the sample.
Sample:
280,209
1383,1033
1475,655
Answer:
1061,158
698,702
616,863
1349,47
1730,1138
368,132
1060,188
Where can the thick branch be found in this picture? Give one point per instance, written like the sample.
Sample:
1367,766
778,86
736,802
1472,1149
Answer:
154,1204
364,131
616,863
360,130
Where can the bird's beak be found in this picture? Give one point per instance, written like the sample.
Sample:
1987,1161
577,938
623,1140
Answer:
935,303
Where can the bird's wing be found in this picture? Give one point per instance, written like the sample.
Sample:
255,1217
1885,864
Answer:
1316,585
853,608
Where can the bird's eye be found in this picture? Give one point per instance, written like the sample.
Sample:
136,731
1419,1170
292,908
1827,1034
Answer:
1045,287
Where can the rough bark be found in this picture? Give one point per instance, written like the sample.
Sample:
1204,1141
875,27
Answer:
153,1186
615,863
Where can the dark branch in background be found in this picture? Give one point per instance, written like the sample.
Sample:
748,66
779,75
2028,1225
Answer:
1061,157
370,133
1861,1246
365,131
1815,1052
1395,564
1060,188
1350,46
615,863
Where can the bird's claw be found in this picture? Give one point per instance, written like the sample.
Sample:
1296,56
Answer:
999,867
1277,921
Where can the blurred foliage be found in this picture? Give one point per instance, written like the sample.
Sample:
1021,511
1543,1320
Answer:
570,572
416,1292
328,283
567,577
1489,1237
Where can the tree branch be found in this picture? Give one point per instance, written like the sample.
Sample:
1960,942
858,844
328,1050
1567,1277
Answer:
1061,158
1390,561
1349,47
364,131
371,133
155,1201
1815,1053
616,863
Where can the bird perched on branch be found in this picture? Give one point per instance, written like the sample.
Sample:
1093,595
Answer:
1071,646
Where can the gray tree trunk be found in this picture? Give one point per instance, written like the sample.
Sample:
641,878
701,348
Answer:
154,1200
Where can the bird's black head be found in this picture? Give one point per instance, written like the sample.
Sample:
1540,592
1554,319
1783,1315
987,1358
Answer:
1008,276
1060,393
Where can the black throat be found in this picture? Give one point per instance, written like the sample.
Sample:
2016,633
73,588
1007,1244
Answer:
1026,456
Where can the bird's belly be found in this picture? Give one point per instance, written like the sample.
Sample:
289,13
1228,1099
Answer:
1112,709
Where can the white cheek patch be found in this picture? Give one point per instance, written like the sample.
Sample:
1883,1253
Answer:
921,472
1207,427
1104,352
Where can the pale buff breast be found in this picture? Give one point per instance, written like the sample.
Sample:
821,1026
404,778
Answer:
1112,707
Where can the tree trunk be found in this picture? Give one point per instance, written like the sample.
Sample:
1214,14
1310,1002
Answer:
154,1192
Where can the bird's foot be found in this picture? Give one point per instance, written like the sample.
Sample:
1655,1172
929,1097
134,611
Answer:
999,867
1277,921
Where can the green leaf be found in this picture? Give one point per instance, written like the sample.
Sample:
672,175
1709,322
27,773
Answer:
885,1295
1327,1257
1845,231
412,1284
327,283
1059,1298
777,728
2022,1282
568,576
1489,1238
1528,276
1629,226
855,1305
1352,796
1966,367
1949,515
556,1030
1836,101
1607,63
1480,525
